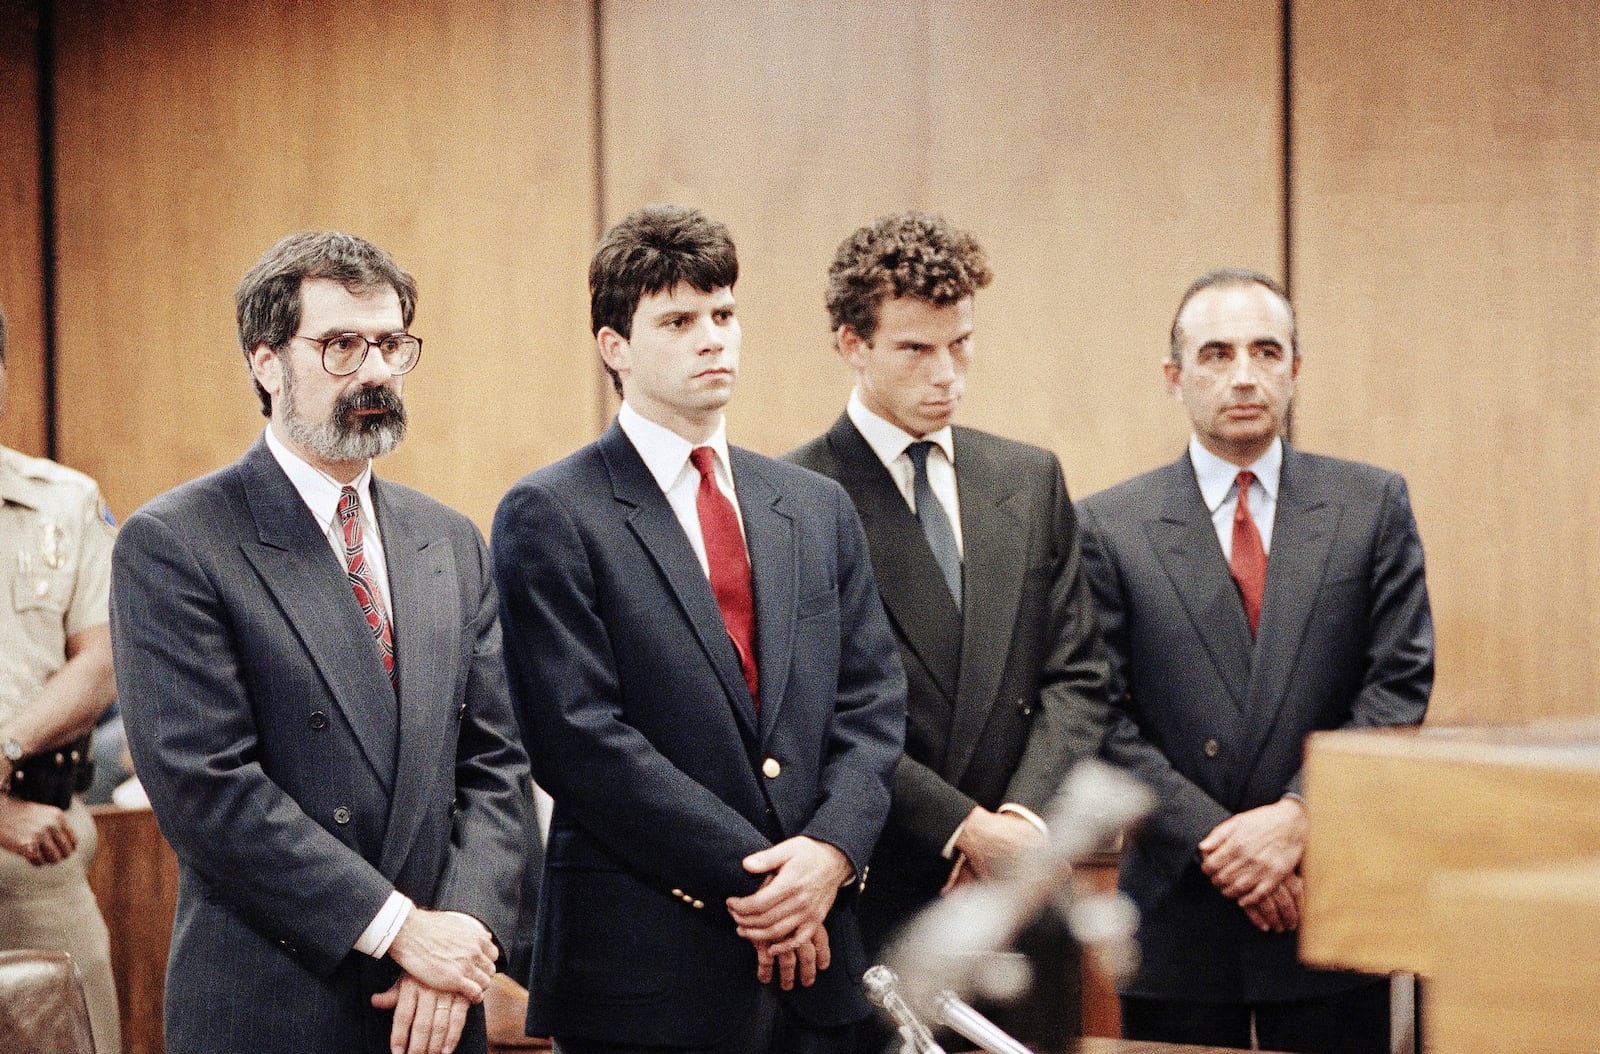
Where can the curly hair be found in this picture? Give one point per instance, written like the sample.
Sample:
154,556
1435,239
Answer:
903,254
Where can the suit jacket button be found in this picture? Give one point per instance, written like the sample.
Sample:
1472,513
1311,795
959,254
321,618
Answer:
341,816
319,720
699,904
770,768
1212,747
678,893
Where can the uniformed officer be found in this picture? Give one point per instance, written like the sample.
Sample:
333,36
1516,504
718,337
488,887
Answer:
55,681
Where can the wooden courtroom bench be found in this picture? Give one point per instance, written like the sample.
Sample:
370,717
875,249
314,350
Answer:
1469,856
135,878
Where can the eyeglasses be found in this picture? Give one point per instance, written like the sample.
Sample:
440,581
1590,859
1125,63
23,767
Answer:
343,353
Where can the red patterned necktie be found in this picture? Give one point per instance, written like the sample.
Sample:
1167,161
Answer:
367,595
1249,562
730,564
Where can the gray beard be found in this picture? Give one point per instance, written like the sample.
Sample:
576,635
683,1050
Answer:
345,436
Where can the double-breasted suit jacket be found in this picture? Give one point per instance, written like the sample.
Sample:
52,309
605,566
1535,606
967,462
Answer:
1006,693
665,773
1216,722
296,788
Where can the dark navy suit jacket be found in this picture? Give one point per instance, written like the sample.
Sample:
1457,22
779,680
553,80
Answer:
1216,722
665,774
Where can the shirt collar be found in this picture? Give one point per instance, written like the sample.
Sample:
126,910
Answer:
316,488
889,440
664,452
1216,476
14,486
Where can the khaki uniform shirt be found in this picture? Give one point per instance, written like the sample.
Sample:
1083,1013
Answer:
55,569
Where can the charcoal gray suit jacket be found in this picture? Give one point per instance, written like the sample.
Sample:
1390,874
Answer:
1216,721
296,789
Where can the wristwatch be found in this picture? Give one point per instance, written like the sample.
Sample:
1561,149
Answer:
11,749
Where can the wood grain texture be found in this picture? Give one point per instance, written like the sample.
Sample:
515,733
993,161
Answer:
21,257
1104,154
1514,960
195,133
135,881
1447,271
1389,811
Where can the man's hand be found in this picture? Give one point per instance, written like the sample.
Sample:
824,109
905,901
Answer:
992,841
1280,911
784,918
426,1021
37,833
1250,853
447,951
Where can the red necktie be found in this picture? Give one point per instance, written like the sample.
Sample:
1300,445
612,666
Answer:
367,595
1249,563
730,564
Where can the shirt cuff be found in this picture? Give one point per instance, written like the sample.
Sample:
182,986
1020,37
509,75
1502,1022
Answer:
381,931
949,850
1027,814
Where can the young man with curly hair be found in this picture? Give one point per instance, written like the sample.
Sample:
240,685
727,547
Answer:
975,547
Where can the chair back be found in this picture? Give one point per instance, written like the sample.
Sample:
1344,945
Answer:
42,1009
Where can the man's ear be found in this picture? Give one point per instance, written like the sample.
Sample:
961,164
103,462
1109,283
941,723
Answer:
613,350
850,344
1174,374
267,367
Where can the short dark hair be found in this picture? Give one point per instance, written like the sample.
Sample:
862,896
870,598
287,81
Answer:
268,297
652,249
1232,276
903,254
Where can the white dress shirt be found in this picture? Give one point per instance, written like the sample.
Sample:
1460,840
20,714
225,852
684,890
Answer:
889,442
666,454
1218,479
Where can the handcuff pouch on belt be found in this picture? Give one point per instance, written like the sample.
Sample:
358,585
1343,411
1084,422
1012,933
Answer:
51,776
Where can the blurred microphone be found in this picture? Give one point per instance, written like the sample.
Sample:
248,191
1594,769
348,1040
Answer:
881,985
952,942
951,1012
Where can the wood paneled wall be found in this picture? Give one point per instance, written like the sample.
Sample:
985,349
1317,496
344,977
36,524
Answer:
1443,208
192,134
1030,123
21,257
1447,270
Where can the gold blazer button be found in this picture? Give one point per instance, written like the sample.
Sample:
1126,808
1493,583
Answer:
770,768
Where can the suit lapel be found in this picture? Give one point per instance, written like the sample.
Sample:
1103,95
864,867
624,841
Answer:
909,579
1303,530
1185,541
426,610
653,522
770,538
995,541
292,555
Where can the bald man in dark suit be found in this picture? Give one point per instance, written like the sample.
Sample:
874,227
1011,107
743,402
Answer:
1250,594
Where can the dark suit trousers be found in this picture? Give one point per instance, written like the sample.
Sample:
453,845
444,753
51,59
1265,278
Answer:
1353,1022
770,1028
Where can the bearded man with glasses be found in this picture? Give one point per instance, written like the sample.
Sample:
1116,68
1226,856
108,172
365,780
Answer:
309,661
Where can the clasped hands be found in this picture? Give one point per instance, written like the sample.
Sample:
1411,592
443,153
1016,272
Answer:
38,833
784,918
1253,858
449,960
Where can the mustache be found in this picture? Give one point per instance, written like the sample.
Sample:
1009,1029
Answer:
362,399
